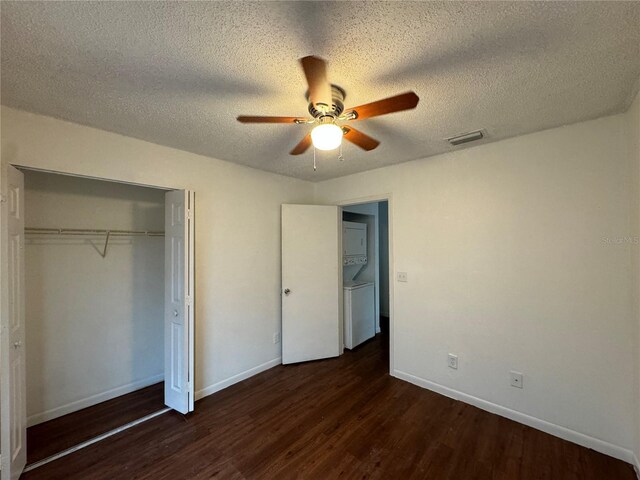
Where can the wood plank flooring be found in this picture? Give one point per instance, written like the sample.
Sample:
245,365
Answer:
48,438
338,418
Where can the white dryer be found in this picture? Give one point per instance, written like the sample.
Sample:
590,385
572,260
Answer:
359,313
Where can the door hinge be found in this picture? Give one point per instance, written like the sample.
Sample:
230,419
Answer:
189,300
189,214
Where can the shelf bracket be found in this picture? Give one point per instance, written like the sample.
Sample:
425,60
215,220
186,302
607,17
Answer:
106,244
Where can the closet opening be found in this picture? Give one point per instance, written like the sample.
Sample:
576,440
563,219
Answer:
105,273
94,290
365,270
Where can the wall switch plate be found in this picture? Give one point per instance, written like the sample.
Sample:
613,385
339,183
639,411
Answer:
402,277
276,337
516,379
453,361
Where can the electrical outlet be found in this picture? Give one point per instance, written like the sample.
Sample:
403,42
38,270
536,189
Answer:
276,337
453,361
516,379
402,277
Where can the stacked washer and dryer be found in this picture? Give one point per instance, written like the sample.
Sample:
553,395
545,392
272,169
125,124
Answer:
359,296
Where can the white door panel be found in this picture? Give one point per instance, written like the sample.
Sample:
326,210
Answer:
179,304
311,283
13,418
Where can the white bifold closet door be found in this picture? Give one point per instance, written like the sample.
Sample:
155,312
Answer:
311,283
13,415
179,301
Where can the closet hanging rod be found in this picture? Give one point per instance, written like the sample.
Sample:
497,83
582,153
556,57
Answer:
83,231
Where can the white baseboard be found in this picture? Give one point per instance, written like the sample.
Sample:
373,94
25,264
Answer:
216,387
92,400
596,444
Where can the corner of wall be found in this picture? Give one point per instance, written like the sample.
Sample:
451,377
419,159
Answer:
632,135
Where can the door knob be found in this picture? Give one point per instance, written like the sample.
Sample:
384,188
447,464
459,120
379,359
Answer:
18,344
287,291
175,313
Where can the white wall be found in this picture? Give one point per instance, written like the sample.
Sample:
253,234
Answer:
237,231
513,263
94,325
633,141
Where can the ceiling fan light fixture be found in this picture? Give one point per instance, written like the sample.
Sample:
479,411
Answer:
327,136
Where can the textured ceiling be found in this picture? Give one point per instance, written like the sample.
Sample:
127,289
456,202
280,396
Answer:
178,73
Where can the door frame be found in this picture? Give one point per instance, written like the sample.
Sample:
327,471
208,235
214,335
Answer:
382,197
166,188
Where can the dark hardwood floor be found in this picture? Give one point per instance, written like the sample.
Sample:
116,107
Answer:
338,418
48,438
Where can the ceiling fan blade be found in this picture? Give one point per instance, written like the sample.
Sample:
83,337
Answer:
302,147
249,119
315,69
404,101
360,139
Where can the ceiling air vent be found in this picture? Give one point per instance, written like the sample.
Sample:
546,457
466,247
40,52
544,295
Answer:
466,138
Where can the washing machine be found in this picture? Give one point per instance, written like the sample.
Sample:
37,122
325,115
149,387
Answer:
359,313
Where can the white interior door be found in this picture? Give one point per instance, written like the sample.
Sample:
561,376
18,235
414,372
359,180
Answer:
179,301
13,418
311,283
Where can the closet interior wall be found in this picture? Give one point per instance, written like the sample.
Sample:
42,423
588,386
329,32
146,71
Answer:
94,323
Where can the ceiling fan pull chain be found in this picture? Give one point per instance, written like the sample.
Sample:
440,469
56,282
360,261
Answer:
340,157
314,159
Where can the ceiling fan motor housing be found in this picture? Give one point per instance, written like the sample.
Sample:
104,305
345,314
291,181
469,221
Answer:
334,110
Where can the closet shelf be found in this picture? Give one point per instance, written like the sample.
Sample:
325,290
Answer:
93,233
82,231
